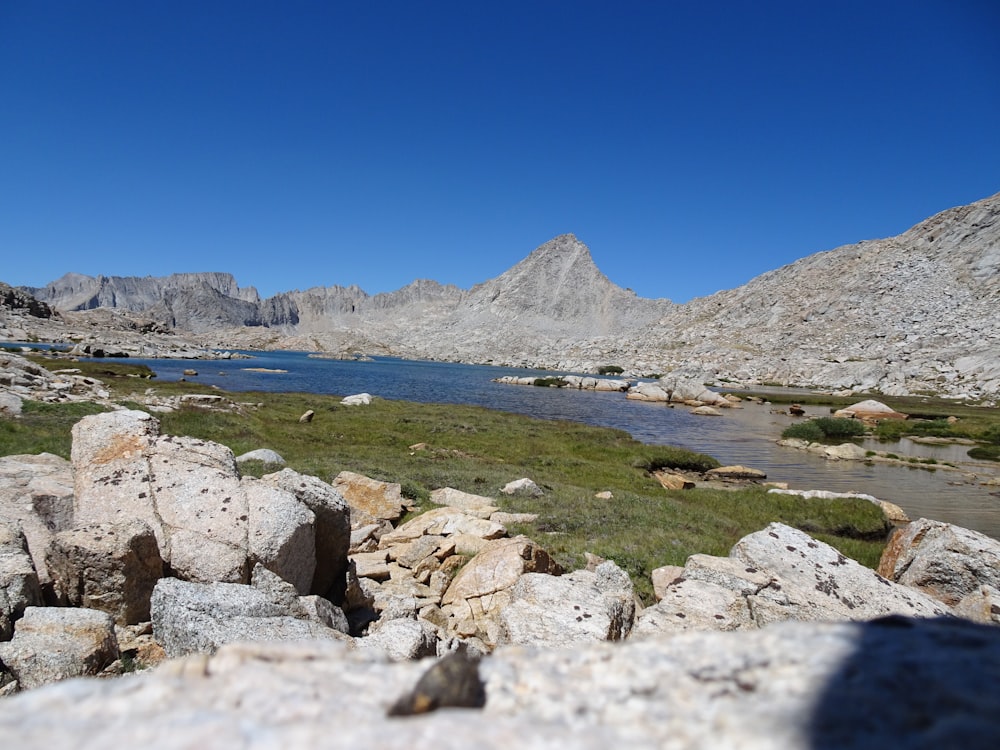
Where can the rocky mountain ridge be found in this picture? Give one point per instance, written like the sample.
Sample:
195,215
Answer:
912,313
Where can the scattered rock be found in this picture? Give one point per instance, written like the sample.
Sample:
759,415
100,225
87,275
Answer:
10,405
869,411
55,643
264,455
370,498
982,605
191,618
735,473
358,399
671,481
706,411
307,417
663,576
472,504
482,588
778,574
37,493
403,638
554,611
845,452
523,487
332,528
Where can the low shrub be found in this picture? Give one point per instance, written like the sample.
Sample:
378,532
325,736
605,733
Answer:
837,427
824,428
985,452
991,434
804,431
934,427
658,457
892,429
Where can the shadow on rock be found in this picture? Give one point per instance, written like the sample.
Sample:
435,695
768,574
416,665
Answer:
914,683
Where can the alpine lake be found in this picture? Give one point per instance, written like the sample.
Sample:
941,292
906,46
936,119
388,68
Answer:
952,490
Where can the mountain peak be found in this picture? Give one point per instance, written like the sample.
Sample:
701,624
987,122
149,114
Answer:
562,244
559,287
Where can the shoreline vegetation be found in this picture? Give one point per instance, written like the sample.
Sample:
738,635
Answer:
428,446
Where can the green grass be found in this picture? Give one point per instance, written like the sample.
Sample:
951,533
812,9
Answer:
985,453
825,428
478,450
43,428
893,429
643,532
95,368
803,431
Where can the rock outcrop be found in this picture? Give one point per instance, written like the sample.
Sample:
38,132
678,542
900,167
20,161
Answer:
210,524
777,574
944,561
55,643
263,661
894,682
19,588
18,299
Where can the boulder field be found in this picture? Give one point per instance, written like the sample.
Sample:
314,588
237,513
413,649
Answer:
204,608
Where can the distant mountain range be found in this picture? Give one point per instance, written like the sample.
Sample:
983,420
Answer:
916,312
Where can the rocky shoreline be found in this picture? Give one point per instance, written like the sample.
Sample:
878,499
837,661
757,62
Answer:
258,611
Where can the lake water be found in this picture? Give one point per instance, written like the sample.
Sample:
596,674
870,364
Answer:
742,436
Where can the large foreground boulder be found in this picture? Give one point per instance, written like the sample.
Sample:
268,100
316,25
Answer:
583,605
778,574
210,525
332,529
483,588
55,643
944,561
36,491
199,618
111,567
19,586
895,682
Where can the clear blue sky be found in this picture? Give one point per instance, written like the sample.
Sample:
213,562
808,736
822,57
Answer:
691,145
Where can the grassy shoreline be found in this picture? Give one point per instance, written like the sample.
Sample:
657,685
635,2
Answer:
474,449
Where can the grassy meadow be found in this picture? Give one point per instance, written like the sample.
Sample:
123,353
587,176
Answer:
427,446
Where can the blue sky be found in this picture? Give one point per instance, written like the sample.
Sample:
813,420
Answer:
692,146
